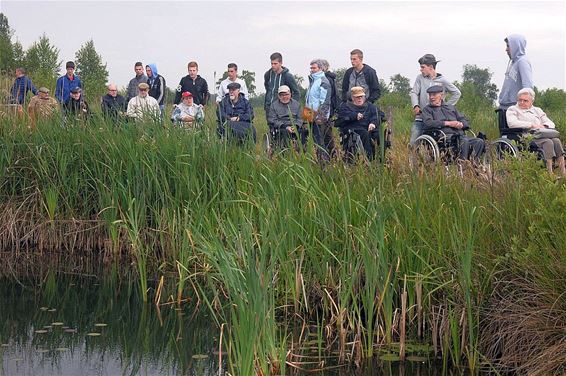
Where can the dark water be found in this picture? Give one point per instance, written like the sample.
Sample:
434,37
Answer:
69,326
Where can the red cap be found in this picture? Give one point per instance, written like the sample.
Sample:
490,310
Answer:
186,94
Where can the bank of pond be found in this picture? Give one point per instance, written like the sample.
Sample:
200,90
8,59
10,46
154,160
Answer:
293,266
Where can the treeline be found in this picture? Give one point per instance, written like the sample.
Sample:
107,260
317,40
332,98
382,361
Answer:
43,64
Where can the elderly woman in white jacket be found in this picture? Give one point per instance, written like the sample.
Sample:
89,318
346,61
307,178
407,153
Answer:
530,118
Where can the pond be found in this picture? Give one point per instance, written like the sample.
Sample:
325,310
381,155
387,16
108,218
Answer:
81,326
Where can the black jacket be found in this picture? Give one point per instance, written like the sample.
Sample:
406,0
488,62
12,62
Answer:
371,80
111,106
197,87
157,89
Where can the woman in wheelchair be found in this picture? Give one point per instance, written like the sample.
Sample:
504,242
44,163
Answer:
284,120
361,118
439,116
525,116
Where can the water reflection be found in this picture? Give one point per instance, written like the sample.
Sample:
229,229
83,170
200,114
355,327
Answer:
78,327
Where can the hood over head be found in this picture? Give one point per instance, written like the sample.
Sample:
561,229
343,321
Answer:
153,68
517,44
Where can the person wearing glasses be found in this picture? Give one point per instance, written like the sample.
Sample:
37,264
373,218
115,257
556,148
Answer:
143,106
113,104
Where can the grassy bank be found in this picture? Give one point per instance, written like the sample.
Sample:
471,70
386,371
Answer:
297,260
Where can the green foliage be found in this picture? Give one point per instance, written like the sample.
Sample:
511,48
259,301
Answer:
551,99
383,87
91,70
10,54
400,84
477,81
42,62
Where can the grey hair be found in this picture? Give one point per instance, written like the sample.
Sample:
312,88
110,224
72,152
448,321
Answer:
526,90
319,63
111,84
325,65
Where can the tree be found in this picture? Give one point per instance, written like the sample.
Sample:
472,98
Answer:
7,62
383,87
300,81
480,81
400,84
42,62
90,69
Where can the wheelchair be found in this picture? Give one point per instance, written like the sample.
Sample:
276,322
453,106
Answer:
511,141
434,146
380,140
280,140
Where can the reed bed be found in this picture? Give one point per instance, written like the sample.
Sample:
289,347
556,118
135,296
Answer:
300,261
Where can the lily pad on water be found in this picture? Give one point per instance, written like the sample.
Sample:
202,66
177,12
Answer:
390,357
200,356
43,308
42,351
62,349
40,331
415,358
100,324
93,334
51,310
47,327
5,345
57,323
70,330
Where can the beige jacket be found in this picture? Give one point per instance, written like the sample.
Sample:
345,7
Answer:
519,118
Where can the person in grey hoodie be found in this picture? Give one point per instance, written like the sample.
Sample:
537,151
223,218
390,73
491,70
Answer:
519,75
276,76
419,97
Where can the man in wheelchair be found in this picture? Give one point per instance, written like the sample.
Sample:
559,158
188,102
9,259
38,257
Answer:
443,120
235,115
358,120
284,120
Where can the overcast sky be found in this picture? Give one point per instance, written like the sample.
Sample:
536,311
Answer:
392,34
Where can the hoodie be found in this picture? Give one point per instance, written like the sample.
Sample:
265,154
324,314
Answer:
156,84
272,81
519,72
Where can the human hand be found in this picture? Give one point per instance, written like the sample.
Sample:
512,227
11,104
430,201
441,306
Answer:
371,127
416,110
289,129
360,116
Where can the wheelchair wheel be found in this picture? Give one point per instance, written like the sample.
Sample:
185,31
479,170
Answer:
268,147
503,148
425,150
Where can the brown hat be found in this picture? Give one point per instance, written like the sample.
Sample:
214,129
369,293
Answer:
143,86
357,91
43,89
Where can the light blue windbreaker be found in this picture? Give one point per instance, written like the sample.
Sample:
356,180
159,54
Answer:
318,94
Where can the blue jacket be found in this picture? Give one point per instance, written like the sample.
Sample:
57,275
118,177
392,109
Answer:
20,88
64,86
241,108
348,116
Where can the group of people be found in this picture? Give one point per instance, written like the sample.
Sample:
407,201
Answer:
349,105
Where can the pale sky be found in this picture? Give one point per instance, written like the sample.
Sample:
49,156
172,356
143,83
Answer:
392,35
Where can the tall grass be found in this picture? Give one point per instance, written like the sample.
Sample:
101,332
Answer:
272,246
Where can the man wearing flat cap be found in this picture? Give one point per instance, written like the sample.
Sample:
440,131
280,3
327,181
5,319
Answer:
67,83
445,117
42,106
143,106
187,114
361,117
419,97
235,114
75,108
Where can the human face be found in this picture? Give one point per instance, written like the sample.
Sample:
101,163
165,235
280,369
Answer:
234,93
435,99
525,101
19,73
43,95
188,101
138,70
357,61
285,98
427,70
232,74
112,91
76,96
143,92
276,66
359,100
193,71
70,71
315,68
149,72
